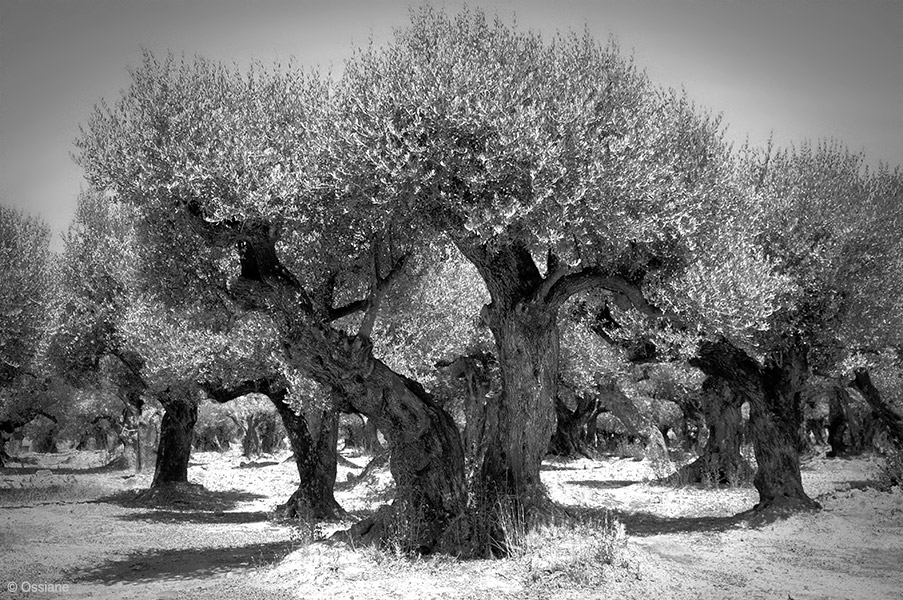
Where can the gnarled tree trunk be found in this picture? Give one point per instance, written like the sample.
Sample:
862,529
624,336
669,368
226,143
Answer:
720,461
526,336
776,419
570,436
426,455
889,419
427,459
313,437
837,422
180,413
480,405
773,392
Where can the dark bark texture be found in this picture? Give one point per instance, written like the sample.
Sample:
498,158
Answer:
887,416
837,422
176,436
313,435
480,406
570,438
427,459
774,394
720,461
525,329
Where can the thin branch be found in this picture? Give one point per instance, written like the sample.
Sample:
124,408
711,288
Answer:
349,309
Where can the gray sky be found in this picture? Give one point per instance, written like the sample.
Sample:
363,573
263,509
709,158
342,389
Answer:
805,69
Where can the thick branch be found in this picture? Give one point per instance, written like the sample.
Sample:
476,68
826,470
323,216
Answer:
135,370
555,271
256,242
268,386
593,278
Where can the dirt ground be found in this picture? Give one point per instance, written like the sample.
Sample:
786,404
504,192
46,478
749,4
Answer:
69,528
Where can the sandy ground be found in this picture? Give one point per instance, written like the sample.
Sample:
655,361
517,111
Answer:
70,529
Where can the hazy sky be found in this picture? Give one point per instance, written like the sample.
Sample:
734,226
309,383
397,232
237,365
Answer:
805,69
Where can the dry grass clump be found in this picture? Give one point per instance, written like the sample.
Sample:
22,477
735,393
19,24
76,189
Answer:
574,552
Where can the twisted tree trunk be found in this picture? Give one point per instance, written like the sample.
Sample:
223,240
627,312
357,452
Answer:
313,437
176,436
888,417
721,460
570,436
527,340
773,392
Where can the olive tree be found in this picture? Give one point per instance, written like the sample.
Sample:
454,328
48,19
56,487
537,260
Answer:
830,227
27,290
555,167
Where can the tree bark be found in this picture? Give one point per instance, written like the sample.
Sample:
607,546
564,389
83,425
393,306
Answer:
773,392
313,437
570,436
720,461
889,419
524,325
176,434
427,459
480,405
527,340
426,455
776,419
837,422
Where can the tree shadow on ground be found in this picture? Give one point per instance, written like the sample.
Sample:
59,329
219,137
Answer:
603,484
186,563
547,466
642,524
50,471
215,517
256,464
181,497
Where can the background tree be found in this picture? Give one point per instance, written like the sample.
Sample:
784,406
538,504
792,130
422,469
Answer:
824,222
27,291
88,348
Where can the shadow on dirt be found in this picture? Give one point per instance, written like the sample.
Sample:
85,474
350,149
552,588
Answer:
111,467
602,484
216,517
189,563
641,524
257,464
181,497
